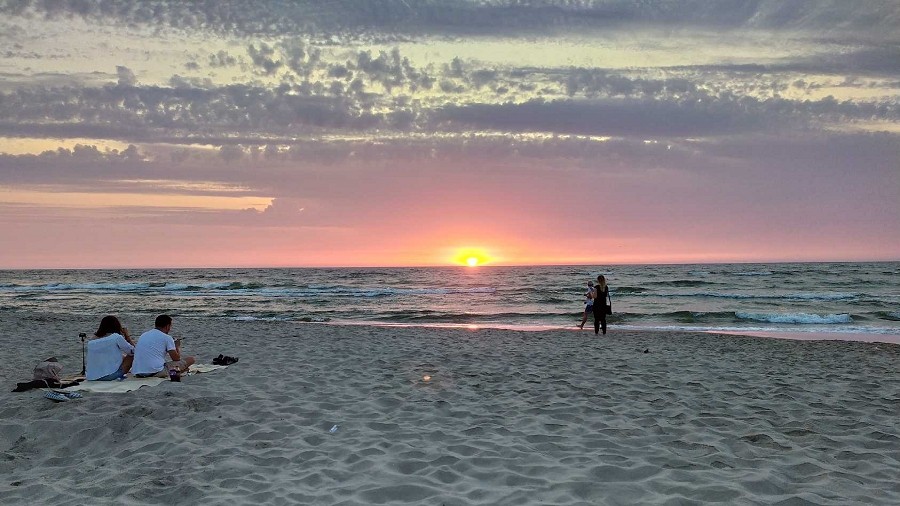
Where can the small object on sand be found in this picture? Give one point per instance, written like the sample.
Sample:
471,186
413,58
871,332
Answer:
55,396
224,360
333,429
426,378
646,350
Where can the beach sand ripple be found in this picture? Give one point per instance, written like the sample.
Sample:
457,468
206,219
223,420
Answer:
441,416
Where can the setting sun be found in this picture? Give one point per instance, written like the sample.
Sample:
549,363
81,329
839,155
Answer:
471,257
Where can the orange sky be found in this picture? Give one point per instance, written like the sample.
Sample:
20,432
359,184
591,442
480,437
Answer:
655,137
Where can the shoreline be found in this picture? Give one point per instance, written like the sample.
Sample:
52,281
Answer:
797,335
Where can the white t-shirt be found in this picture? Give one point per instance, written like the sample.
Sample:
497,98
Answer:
104,355
152,352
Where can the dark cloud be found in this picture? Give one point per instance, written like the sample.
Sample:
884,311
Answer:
222,59
472,17
873,58
262,58
601,103
697,116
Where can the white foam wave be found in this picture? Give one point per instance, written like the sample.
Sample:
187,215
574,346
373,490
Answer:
796,318
260,319
61,287
174,287
745,296
822,296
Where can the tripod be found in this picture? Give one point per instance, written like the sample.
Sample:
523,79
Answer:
83,364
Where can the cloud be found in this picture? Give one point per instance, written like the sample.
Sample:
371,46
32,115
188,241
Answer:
385,92
709,116
262,58
460,17
222,59
126,76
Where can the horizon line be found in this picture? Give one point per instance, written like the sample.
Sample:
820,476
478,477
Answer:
449,266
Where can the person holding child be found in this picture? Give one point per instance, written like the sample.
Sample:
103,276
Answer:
601,306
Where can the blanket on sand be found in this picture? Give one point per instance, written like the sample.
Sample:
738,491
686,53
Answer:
131,383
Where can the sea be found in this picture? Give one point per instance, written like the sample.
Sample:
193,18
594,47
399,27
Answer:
854,301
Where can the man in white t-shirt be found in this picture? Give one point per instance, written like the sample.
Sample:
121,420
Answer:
156,352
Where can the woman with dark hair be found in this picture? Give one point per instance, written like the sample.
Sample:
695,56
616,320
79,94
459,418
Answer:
110,352
601,307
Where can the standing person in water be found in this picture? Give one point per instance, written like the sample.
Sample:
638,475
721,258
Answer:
601,296
588,304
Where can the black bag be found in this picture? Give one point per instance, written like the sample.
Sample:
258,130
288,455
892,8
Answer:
609,306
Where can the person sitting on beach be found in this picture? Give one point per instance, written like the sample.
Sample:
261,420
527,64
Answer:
156,352
110,352
588,304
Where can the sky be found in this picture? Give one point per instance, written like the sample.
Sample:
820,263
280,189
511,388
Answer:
414,133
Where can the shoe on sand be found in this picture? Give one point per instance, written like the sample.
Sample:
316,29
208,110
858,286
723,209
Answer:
224,360
55,396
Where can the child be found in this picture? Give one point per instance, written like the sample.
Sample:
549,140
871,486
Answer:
588,303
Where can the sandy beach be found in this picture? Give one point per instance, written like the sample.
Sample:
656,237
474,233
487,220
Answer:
504,417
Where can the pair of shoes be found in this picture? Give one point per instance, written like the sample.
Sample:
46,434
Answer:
55,396
62,396
224,360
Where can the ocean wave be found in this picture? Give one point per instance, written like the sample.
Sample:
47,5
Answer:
680,283
98,287
690,316
306,319
795,318
753,273
889,315
820,296
742,296
231,287
469,317
627,290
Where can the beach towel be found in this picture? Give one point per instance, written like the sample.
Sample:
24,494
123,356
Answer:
117,387
131,383
201,368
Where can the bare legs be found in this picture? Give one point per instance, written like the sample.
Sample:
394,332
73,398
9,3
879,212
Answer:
188,362
584,317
